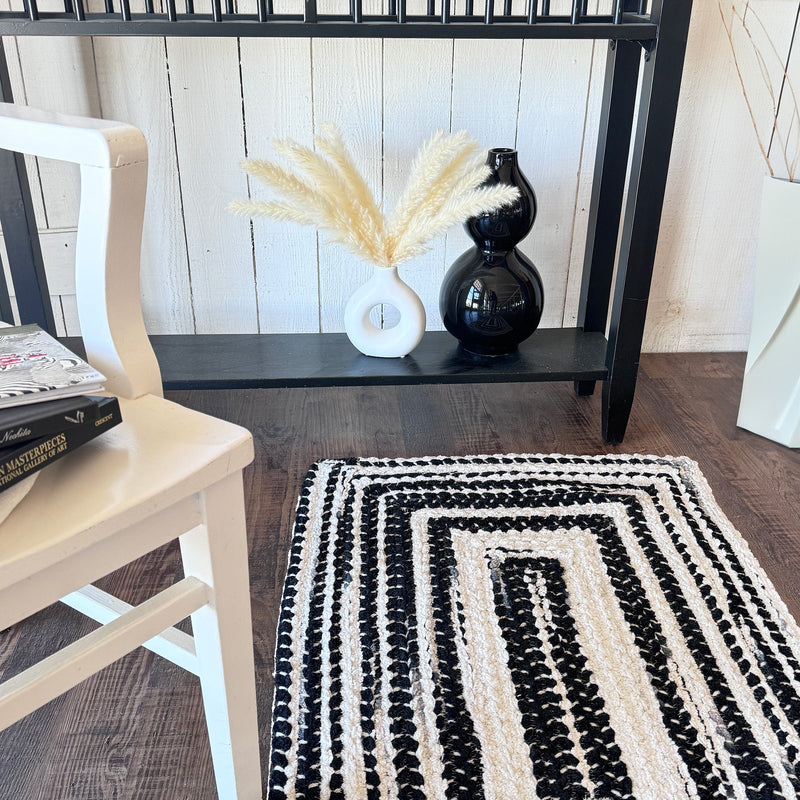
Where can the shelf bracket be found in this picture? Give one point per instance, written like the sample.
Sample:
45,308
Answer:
647,45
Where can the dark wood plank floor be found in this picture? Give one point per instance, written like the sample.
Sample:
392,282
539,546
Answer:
136,730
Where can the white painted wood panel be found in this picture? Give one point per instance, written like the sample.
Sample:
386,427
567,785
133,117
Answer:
486,98
134,87
580,223
207,116
702,283
788,107
58,254
761,34
347,92
58,313
69,314
58,75
18,92
555,82
789,96
408,123
276,84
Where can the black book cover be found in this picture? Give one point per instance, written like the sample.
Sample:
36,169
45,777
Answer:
22,423
16,463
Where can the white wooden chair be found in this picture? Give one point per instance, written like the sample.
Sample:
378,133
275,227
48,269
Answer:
166,472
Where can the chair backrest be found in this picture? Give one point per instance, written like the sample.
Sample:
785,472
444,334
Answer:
113,161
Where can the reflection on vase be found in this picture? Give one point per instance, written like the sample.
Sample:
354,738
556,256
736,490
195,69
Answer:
492,296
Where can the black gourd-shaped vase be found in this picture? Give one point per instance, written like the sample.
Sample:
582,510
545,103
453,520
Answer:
492,296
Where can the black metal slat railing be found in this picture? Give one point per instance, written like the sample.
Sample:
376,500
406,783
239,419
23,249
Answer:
117,18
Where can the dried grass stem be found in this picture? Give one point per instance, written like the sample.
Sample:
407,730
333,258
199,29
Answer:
323,187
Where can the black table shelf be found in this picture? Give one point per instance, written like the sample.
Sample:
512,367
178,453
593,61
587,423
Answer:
242,361
329,26
644,63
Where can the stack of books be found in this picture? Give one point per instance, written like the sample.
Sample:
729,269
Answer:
48,402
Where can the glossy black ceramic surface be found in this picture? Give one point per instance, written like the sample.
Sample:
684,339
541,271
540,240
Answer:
491,301
492,296
506,228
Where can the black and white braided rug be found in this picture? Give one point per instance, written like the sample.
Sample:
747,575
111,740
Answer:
518,627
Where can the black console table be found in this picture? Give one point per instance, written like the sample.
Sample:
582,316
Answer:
651,36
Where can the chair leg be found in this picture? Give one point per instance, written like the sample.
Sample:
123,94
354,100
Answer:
217,554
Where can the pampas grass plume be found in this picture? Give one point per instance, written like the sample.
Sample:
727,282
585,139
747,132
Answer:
323,187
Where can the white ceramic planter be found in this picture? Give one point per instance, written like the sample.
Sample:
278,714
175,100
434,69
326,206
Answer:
385,286
770,403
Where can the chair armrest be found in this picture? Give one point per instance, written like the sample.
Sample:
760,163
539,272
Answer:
79,140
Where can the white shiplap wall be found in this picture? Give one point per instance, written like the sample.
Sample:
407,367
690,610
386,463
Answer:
204,104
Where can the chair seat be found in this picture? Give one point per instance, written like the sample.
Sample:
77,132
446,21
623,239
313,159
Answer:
159,455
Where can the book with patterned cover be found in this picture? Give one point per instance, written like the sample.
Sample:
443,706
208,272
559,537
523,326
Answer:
35,367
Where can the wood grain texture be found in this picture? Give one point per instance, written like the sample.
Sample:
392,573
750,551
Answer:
706,254
408,65
136,731
18,92
58,252
207,115
347,91
165,279
580,220
277,100
789,99
550,141
485,101
58,74
221,362
762,49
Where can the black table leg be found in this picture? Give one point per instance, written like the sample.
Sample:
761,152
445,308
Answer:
661,79
608,186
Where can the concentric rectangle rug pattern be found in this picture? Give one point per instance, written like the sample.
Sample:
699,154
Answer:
528,626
